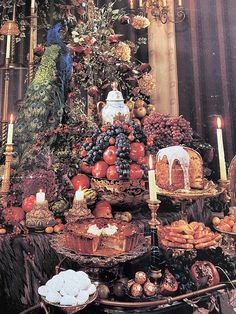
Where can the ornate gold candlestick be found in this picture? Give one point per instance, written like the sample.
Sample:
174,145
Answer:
7,173
155,270
79,210
40,217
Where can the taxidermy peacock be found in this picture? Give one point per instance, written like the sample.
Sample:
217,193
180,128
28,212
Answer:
44,101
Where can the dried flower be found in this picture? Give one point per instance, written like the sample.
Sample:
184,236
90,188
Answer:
146,84
122,51
140,22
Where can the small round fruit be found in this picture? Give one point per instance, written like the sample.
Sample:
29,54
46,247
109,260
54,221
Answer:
112,173
112,141
137,150
140,277
216,221
58,221
99,170
3,230
130,104
234,228
85,167
135,172
150,289
49,229
80,181
28,203
139,103
57,228
136,290
150,109
140,112
131,138
103,291
119,289
110,155
61,226
130,283
103,209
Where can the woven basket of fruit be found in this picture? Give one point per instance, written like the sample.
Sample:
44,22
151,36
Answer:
130,192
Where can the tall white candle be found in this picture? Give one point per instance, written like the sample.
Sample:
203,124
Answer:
152,180
164,3
32,4
40,197
131,4
10,130
8,47
140,3
180,3
79,195
221,153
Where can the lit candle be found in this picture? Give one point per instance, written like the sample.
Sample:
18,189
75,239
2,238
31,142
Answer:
131,4
164,3
32,4
152,180
79,194
8,47
180,3
140,3
10,130
221,153
40,197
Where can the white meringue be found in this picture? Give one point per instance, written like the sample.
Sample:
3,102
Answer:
84,283
70,287
83,295
43,290
53,296
68,300
92,289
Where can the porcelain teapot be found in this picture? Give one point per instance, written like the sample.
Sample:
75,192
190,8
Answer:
115,108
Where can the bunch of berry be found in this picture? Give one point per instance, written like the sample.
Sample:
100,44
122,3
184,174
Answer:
123,162
167,130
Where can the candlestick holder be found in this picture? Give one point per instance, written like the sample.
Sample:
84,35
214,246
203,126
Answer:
156,261
225,185
79,210
7,173
40,217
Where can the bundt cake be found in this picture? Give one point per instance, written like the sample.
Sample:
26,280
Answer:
179,167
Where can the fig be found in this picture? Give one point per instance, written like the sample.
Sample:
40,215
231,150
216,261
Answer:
103,291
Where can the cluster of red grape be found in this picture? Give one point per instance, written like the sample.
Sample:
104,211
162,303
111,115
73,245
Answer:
167,130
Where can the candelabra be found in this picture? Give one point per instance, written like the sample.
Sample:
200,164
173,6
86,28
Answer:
160,9
156,261
6,176
33,39
9,28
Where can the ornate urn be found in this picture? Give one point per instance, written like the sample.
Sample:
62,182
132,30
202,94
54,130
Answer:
115,108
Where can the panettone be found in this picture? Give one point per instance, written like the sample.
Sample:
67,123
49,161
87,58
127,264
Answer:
179,167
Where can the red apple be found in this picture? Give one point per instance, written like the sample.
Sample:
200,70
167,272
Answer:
80,181
103,209
109,155
28,203
137,150
99,170
112,173
85,167
143,160
135,172
139,103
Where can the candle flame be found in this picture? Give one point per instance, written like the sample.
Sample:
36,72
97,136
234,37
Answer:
11,118
150,162
218,122
40,191
80,188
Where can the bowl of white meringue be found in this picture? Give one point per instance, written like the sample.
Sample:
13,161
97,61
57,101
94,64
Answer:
70,290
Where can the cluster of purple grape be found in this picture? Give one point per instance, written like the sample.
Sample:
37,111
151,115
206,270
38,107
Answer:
123,161
168,130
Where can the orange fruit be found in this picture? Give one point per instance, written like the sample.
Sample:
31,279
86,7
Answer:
49,229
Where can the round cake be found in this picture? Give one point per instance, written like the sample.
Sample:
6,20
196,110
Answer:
90,235
179,168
